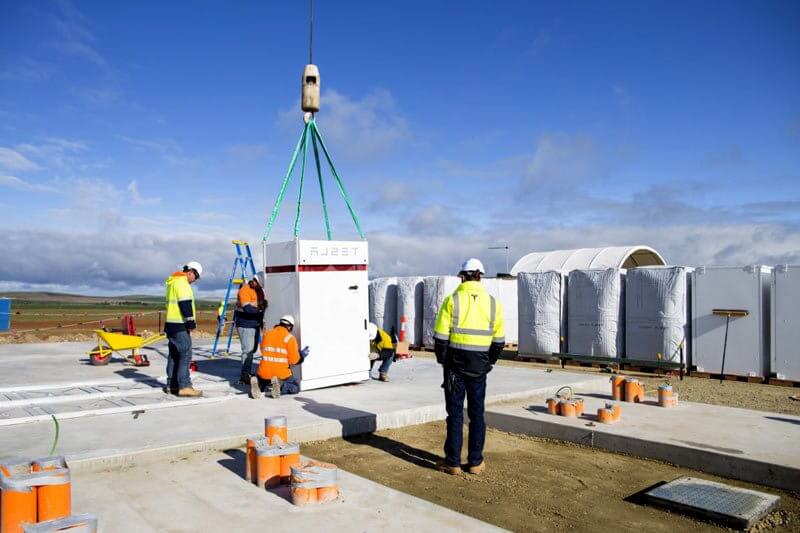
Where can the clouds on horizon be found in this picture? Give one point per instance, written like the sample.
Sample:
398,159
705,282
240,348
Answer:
99,213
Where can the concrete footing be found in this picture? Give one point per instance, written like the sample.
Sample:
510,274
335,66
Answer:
737,443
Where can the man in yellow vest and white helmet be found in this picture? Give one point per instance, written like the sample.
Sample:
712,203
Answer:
468,340
180,321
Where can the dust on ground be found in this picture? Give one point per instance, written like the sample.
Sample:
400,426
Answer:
531,484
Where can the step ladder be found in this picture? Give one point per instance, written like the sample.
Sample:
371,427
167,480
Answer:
243,270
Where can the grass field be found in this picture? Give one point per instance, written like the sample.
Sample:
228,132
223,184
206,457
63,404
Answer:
53,317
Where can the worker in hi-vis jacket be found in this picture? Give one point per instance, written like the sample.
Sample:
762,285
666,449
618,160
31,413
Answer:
278,352
179,323
381,349
468,340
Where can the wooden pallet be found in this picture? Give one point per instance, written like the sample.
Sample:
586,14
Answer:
536,359
586,364
784,382
727,377
649,369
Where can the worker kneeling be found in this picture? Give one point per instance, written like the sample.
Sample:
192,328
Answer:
381,349
278,352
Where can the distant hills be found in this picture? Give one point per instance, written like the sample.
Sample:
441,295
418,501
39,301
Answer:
58,297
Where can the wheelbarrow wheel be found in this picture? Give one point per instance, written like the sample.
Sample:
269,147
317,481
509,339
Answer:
97,358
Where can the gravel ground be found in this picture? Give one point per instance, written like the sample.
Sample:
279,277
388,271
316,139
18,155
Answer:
531,484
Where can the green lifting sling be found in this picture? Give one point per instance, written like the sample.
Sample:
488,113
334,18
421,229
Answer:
311,132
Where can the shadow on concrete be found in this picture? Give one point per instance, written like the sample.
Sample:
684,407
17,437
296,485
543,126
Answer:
538,409
353,421
235,461
225,368
781,419
140,377
236,464
358,427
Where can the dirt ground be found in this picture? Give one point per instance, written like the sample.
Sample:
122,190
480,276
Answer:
531,484
72,322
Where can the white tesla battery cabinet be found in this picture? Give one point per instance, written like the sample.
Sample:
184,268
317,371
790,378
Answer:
323,284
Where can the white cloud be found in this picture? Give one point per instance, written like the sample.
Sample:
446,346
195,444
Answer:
117,261
27,69
137,198
22,185
559,160
364,129
75,35
12,160
692,245
53,152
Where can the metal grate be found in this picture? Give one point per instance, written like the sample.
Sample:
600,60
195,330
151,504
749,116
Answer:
730,505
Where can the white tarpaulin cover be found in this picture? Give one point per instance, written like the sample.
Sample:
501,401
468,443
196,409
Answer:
436,288
589,259
595,313
507,294
383,303
540,312
655,313
410,293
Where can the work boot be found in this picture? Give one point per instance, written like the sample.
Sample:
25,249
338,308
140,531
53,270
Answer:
189,392
244,379
255,390
477,469
275,388
383,376
441,466
170,390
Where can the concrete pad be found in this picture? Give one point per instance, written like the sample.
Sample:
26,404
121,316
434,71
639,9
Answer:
206,492
753,446
414,396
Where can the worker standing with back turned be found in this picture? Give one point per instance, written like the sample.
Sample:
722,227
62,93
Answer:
468,340
248,317
179,323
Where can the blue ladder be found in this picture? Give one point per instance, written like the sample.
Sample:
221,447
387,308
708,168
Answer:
239,276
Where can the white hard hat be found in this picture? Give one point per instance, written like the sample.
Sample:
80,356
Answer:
372,330
289,319
471,265
197,267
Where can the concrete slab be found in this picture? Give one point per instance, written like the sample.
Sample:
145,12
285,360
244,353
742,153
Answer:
414,396
206,492
753,446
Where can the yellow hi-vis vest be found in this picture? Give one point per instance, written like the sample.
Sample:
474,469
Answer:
178,289
470,318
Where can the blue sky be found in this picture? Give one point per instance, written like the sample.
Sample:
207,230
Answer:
135,135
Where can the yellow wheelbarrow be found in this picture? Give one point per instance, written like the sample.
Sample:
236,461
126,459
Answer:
108,342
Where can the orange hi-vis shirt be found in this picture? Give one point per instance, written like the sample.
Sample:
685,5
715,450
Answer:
278,351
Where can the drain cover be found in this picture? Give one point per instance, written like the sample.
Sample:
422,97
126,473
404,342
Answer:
731,506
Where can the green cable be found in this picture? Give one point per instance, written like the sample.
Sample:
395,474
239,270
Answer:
282,193
342,190
302,178
55,439
321,188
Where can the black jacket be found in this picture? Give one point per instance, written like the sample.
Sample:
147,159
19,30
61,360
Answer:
466,362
